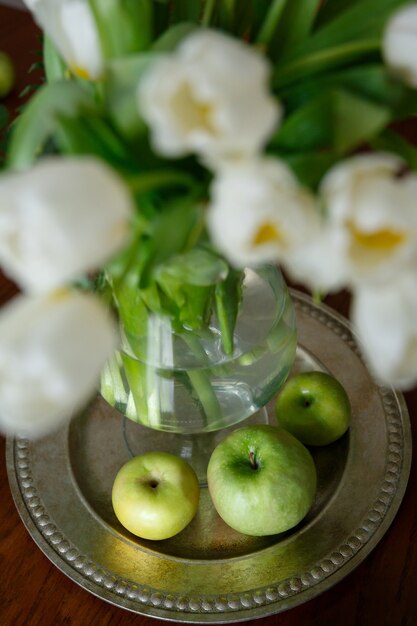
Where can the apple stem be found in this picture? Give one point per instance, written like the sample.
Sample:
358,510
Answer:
252,460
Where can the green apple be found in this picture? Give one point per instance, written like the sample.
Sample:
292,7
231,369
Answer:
7,76
262,480
314,407
155,495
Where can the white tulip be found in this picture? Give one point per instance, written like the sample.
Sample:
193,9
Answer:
399,46
320,263
210,97
63,217
258,212
370,220
52,349
71,26
385,318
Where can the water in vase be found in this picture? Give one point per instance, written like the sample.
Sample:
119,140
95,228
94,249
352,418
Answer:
185,383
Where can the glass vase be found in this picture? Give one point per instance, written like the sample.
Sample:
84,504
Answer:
184,383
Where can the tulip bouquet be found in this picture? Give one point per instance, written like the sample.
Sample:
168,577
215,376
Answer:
175,143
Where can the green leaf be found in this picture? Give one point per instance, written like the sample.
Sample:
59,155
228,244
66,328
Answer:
371,81
38,122
337,119
162,16
152,298
244,18
173,36
126,266
299,20
228,296
120,89
227,13
94,136
125,26
196,267
140,274
310,167
209,12
360,21
258,12
307,127
54,65
173,227
322,60
188,305
355,120
174,291
156,179
187,11
132,309
169,233
332,8
355,33
194,313
271,21
294,26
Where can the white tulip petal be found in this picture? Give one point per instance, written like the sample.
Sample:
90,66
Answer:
258,213
63,217
370,201
400,44
319,263
385,318
339,186
210,97
52,350
71,26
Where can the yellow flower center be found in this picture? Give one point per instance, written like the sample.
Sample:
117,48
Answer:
195,113
60,293
378,240
81,72
267,233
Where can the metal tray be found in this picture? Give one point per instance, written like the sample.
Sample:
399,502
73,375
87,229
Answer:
209,573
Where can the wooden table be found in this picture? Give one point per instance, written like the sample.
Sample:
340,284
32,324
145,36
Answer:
382,590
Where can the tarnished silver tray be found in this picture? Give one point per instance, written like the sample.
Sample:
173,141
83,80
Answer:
208,573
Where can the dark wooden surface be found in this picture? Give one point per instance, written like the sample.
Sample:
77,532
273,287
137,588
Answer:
382,590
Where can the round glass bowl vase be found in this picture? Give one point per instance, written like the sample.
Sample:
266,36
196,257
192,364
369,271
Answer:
185,383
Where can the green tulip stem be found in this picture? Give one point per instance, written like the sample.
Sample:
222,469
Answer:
201,382
229,13
270,22
225,326
156,179
208,12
